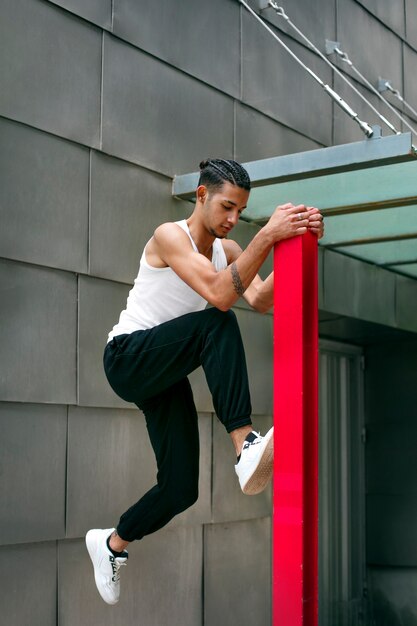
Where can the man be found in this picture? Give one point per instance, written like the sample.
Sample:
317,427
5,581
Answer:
166,332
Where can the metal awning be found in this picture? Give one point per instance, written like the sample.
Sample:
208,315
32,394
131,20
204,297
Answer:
366,190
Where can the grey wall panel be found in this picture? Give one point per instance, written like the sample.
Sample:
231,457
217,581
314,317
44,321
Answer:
50,70
317,20
103,482
228,548
184,41
43,198
411,22
393,595
260,137
32,486
391,452
406,303
276,85
38,334
127,203
410,87
229,503
370,45
105,478
391,524
97,11
366,292
100,304
28,582
161,583
256,332
391,12
158,117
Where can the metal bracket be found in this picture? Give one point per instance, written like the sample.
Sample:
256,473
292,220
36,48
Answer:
331,46
377,132
385,85
382,84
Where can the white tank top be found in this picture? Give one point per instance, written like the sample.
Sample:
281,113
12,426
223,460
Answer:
159,294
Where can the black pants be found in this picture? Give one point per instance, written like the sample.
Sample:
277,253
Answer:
150,368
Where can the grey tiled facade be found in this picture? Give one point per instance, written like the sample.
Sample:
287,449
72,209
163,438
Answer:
102,102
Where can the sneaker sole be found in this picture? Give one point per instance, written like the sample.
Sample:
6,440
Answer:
263,472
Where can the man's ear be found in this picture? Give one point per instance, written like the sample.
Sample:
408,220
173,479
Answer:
202,193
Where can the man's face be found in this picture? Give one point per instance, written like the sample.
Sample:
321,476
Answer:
223,207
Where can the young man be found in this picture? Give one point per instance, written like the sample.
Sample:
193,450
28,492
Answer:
166,332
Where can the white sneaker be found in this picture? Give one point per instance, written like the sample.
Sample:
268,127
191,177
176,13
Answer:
106,565
255,465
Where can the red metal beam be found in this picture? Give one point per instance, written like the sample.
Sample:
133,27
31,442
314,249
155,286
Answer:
295,489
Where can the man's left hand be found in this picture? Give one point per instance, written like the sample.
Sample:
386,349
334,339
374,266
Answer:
315,221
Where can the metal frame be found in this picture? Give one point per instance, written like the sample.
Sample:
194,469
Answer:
344,158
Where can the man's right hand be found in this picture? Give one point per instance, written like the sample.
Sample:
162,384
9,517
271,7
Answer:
288,221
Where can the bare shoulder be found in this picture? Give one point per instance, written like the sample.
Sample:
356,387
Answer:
168,230
170,235
231,249
168,239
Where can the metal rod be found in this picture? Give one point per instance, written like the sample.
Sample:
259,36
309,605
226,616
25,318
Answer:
280,11
366,128
344,57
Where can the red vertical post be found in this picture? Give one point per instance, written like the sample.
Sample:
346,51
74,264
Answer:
295,486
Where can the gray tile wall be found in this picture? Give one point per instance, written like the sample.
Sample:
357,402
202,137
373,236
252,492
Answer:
50,70
101,103
184,41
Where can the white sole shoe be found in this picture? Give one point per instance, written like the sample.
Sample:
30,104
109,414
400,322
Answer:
106,565
255,465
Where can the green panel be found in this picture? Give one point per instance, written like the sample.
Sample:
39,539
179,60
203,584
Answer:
391,252
367,192
324,161
385,223
366,189
409,268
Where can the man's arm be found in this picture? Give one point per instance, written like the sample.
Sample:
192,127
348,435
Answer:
260,293
222,289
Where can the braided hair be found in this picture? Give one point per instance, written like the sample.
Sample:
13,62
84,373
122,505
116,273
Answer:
215,172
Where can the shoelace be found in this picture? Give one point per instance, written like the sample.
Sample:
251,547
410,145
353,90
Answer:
116,565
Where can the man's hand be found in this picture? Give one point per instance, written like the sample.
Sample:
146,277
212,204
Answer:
315,221
288,221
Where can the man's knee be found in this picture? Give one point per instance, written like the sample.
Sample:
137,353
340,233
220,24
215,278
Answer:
222,320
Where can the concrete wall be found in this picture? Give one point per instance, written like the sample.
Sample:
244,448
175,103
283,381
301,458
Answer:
101,103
